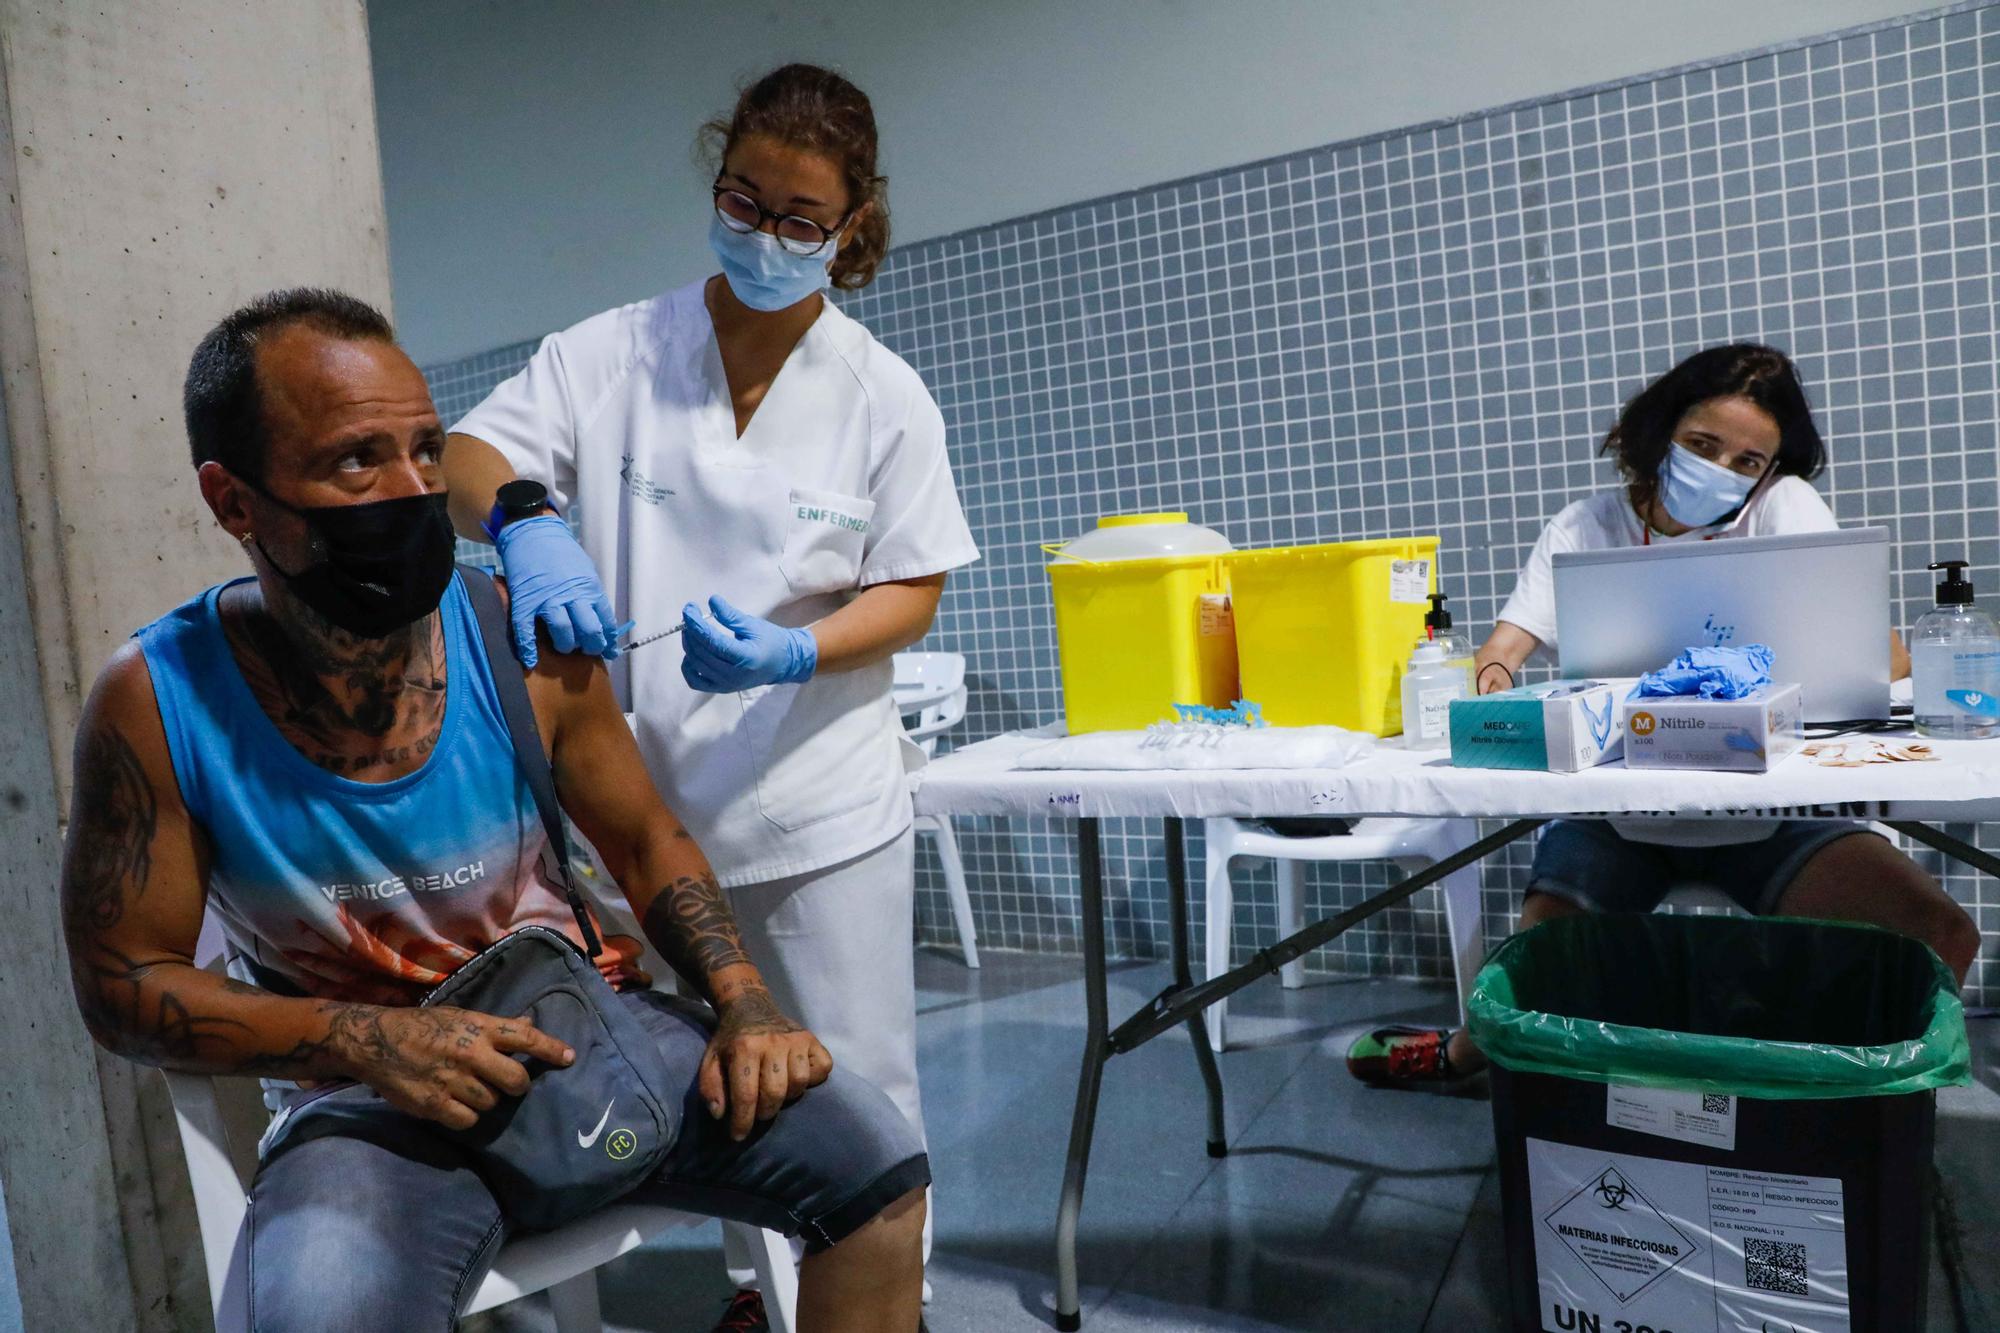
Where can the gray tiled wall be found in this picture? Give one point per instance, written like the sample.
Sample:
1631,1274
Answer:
1429,332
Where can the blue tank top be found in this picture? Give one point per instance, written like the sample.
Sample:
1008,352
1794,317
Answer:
365,891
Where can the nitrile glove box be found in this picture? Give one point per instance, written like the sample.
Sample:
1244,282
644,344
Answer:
1753,734
1558,727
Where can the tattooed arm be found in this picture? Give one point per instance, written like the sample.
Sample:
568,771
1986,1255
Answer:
133,891
759,1059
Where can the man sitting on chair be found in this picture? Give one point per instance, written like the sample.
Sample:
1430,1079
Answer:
317,754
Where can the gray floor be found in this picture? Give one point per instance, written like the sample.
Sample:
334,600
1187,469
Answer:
1339,1207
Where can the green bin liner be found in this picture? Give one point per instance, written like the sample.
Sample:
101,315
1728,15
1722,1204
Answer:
1773,1008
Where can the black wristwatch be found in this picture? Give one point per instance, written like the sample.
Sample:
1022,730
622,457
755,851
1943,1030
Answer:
517,499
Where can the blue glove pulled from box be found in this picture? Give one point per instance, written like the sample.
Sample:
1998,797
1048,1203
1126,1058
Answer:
1710,673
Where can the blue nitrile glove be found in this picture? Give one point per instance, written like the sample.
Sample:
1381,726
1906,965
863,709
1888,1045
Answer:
1712,673
741,650
550,579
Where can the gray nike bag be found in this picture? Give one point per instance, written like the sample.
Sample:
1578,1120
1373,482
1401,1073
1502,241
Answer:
579,1137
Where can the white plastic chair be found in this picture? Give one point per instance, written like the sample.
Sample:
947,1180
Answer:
1700,896
563,1262
930,692
1413,844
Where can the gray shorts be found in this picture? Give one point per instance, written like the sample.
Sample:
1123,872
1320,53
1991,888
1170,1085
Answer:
396,1230
1592,865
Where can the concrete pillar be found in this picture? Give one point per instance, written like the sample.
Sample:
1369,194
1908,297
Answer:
160,161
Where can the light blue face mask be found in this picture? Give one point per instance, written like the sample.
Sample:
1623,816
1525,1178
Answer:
1697,492
763,274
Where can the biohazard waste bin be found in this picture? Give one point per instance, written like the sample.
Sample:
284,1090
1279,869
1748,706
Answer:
1716,1125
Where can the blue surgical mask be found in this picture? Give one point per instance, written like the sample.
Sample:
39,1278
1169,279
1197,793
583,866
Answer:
1697,492
763,274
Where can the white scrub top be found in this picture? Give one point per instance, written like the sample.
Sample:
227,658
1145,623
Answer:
839,482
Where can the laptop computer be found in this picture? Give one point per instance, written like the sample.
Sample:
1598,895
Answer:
1819,599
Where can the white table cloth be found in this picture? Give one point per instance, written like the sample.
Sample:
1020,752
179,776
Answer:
1963,784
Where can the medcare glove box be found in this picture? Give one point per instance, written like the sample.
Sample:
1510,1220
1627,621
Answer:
1753,734
1558,727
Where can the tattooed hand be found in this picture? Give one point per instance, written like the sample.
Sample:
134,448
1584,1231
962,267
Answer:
442,1064
759,1060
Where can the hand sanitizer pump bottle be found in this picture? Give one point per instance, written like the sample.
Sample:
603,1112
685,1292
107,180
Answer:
1955,663
1457,648
1429,686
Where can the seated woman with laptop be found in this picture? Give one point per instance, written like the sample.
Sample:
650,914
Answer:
1723,445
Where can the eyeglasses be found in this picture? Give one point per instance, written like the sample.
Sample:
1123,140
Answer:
799,235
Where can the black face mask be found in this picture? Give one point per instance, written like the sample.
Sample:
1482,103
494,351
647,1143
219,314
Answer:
381,566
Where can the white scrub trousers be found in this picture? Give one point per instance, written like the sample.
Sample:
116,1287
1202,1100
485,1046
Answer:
836,948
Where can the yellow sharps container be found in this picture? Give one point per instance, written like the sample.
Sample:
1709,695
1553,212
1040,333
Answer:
1324,632
1142,621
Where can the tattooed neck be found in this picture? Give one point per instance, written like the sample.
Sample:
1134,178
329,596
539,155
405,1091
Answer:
351,705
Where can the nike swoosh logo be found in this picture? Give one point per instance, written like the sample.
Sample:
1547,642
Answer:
584,1142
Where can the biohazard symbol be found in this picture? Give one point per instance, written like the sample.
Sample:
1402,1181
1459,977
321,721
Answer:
1612,1191
1641,724
621,1144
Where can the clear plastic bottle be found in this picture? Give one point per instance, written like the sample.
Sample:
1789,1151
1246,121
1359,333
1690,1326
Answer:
1955,663
1457,648
1429,686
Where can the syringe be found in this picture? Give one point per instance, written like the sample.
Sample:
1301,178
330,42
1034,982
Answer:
654,638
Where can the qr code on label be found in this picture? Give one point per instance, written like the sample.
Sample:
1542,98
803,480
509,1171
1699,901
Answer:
1774,1265
1714,1105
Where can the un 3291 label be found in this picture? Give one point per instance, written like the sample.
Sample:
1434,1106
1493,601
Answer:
1585,1322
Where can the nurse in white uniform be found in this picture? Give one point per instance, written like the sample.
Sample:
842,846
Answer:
750,463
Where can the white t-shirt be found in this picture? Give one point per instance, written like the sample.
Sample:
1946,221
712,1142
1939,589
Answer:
840,482
1606,520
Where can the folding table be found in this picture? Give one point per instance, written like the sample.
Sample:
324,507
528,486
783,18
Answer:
1962,785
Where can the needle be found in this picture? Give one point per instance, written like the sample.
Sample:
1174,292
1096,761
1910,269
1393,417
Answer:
654,638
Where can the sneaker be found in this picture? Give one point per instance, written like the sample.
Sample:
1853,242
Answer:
744,1315
1402,1056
